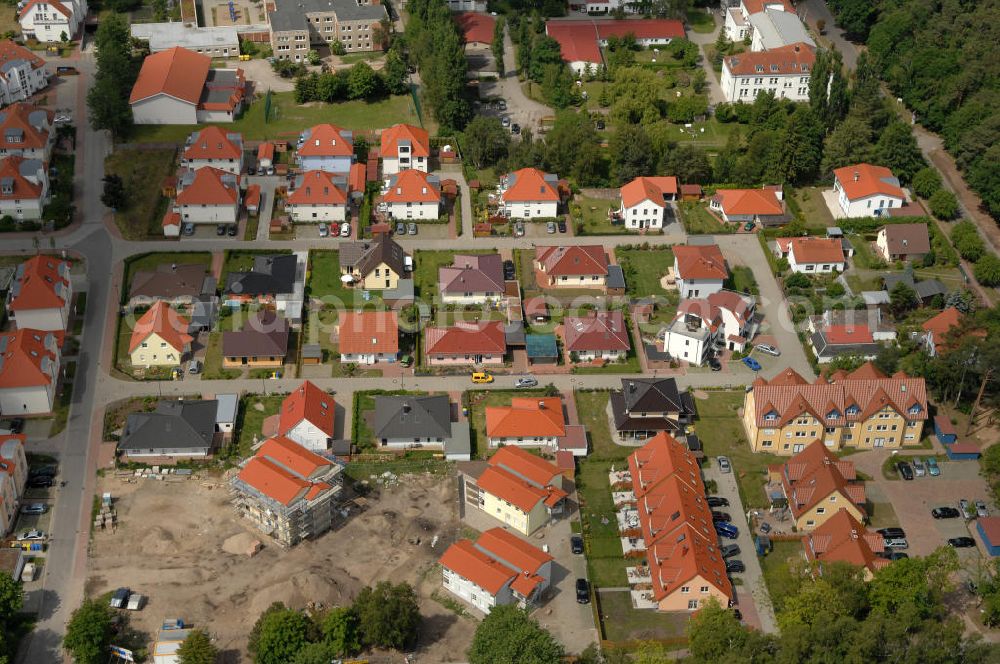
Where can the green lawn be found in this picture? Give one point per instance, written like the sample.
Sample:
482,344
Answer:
701,21
143,173
324,278
643,270
254,409
592,214
741,279
288,119
524,264
812,207
865,257
721,433
605,562
697,220
624,624
592,407
882,515
213,360
777,567
711,134
152,261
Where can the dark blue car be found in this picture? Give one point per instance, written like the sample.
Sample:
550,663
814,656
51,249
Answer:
752,363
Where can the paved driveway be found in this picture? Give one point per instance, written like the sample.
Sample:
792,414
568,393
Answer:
753,578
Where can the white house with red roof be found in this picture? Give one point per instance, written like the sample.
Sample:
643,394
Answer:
580,41
472,279
287,491
466,343
496,570
26,131
864,190
412,194
529,194
40,294
215,147
178,86
575,266
208,196
601,335
858,332
645,201
318,196
699,270
368,337
526,422
24,187
812,255
29,371
937,329
22,73
782,71
307,417
326,147
51,20
723,320
404,147
764,206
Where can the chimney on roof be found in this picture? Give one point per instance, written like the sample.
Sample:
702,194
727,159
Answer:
541,405
857,176
406,406
631,387
854,534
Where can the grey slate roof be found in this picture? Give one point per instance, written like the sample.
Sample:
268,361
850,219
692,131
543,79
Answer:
173,425
265,335
291,15
929,288
616,277
412,416
271,275
652,395
365,256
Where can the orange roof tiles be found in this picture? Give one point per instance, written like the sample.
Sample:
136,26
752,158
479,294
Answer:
755,6
210,186
519,493
54,4
574,260
171,219
864,180
41,282
265,151
281,470
419,140
526,417
653,189
215,143
327,140
308,403
252,199
849,334
943,323
816,250
814,474
669,504
524,464
578,39
318,188
356,178
598,331
477,28
25,358
700,262
762,202
842,538
365,332
10,52
464,559
164,322
465,338
678,561
529,185
21,187
792,59
176,72
17,118
412,186
661,457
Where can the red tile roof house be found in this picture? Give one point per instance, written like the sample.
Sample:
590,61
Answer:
529,194
13,478
326,147
812,255
265,155
404,147
318,196
864,190
477,29
29,371
472,279
860,332
580,41
816,483
286,491
208,196
159,337
22,73
24,187
764,206
466,343
368,337
699,270
938,329
498,569
178,86
26,131
262,343
527,422
575,266
843,539
645,200
212,146
600,335
40,294
903,242
307,417
412,194
743,74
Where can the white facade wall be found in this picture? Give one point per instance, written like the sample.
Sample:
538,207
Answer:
610,355
393,165
697,288
531,209
745,88
234,166
48,25
20,82
25,208
580,281
813,268
367,358
646,214
309,436
27,400
685,348
44,319
533,441
216,117
870,206
734,31
405,211
163,109
416,441
315,213
473,298
473,594
210,214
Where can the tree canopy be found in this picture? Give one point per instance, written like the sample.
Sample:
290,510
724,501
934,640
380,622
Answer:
509,636
88,632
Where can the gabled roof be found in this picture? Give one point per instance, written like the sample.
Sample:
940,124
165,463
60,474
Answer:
599,331
677,561
272,274
413,186
464,338
943,322
578,39
472,273
864,180
41,282
175,424
498,558
476,27
652,395
364,256
653,189
283,471
842,538
754,6
265,151
526,417
529,185
169,281
164,322
700,262
19,178
307,403
215,143
365,332
319,188
210,186
265,335
814,474
522,494
848,334
525,465
464,559
24,126
763,202
65,10
412,416
793,59
907,238
710,309
27,358
574,260
418,139
11,52
327,140
816,250
176,72
661,457
670,503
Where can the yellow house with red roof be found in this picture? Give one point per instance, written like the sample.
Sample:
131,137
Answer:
160,338
517,488
817,484
844,539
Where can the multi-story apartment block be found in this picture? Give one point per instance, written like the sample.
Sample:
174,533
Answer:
296,27
782,71
22,73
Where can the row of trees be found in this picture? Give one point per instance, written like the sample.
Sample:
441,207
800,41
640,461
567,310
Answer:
436,46
108,98
358,82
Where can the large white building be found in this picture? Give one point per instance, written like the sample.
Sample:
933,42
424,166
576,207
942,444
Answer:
768,23
318,196
412,194
699,270
29,372
208,196
26,131
216,42
24,187
22,73
812,255
215,147
404,147
723,320
864,190
178,86
40,294
529,194
52,20
783,71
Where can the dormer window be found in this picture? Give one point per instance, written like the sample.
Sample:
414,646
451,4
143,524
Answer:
914,409
759,68
853,410
771,416
832,415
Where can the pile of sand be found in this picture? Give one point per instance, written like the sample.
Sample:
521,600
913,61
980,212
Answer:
298,590
239,544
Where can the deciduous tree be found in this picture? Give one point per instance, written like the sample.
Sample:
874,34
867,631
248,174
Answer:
509,636
197,648
486,141
88,632
388,615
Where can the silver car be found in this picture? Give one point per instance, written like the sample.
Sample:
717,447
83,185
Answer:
526,381
724,465
400,228
411,228
550,227
981,510
769,349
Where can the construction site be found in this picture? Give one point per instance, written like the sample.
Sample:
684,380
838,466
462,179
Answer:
177,539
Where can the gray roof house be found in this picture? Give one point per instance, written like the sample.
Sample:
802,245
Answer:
646,406
270,275
178,429
404,422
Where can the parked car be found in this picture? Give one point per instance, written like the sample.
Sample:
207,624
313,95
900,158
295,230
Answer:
60,119
482,377
724,465
34,508
961,542
714,364
735,566
749,226
40,482
896,543
505,121
753,364
576,544
918,467
518,228
600,125
945,513
582,591
120,598
891,532
194,367
135,602
502,105
905,471
187,229
717,501
550,227
232,230
730,550
965,507
42,471
251,170
981,510
727,530
765,527
406,360
66,71
31,536
515,129
509,273
932,467
15,425
526,381
400,228
345,229
411,228
721,516
894,555
324,230
561,225
769,349
220,230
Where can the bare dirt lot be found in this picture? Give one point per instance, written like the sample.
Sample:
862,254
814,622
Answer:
179,543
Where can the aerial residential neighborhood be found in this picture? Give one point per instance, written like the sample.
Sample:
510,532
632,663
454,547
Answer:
460,331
